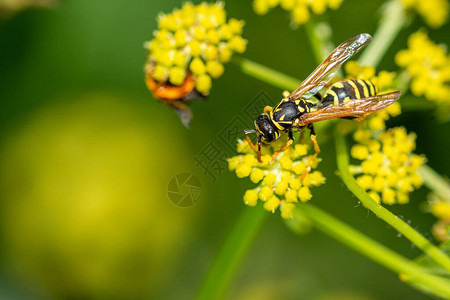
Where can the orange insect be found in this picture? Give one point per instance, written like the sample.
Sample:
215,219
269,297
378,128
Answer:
176,96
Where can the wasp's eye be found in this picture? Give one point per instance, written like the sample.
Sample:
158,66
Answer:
266,128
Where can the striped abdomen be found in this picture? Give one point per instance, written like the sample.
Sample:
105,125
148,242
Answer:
346,90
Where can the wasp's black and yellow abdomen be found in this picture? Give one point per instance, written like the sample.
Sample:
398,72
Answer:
346,90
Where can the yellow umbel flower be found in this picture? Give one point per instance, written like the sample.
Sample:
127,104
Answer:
280,185
195,41
428,65
434,12
300,9
388,168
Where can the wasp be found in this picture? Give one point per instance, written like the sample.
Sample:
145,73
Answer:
177,97
351,99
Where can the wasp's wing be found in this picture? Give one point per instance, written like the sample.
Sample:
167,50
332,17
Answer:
328,68
353,107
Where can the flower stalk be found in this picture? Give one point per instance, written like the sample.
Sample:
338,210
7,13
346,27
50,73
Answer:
231,253
402,227
373,250
393,19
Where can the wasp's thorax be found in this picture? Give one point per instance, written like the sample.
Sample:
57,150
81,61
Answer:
266,129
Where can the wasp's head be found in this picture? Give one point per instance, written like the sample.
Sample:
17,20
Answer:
266,129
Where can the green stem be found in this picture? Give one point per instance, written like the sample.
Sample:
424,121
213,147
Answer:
230,255
373,250
416,238
265,74
435,182
393,19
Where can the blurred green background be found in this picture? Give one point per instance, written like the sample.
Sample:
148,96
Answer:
86,155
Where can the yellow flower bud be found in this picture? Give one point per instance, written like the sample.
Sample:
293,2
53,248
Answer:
160,73
224,53
287,210
197,66
300,14
213,36
265,193
199,33
291,196
281,188
379,183
236,26
256,175
272,204
304,194
359,152
211,52
243,170
251,197
214,68
318,6
203,84
295,183
195,48
238,44
365,181
177,75
225,32
180,37
269,179
388,196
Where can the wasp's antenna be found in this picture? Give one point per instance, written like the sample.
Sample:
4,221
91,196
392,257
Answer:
249,140
247,131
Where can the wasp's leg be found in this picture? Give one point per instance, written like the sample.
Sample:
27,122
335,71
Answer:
267,109
313,137
287,145
259,148
249,140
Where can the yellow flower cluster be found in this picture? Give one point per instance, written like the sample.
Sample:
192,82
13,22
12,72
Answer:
195,39
441,209
281,184
429,66
384,83
300,9
434,12
388,170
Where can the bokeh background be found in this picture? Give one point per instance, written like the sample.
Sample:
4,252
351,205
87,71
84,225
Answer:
86,154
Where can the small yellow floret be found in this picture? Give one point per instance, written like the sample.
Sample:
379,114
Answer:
265,193
243,170
359,151
238,44
203,84
287,210
214,68
272,204
291,196
177,75
269,179
251,197
281,188
304,194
